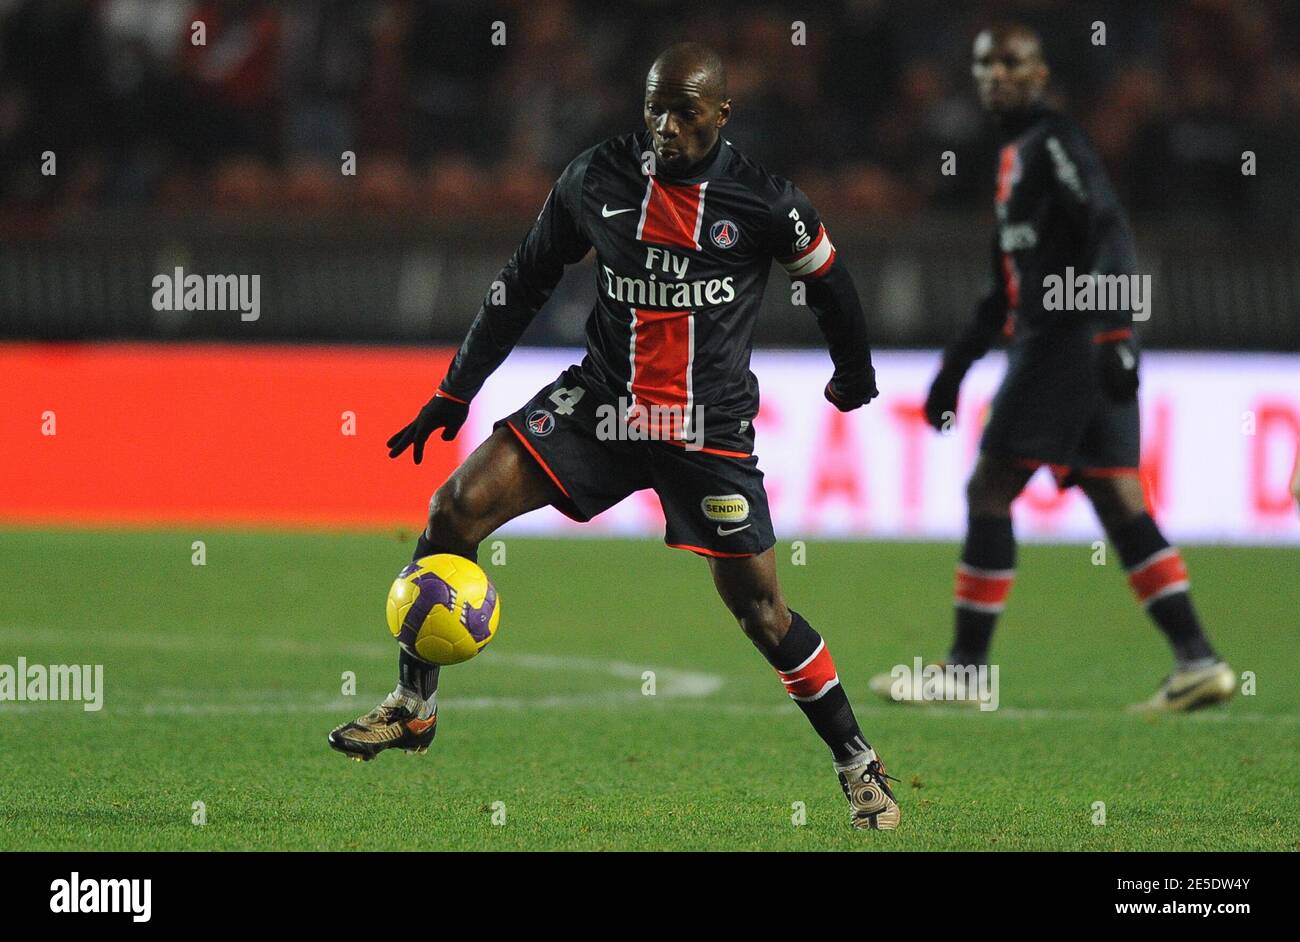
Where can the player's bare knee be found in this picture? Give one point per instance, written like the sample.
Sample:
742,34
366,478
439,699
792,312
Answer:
442,516
993,486
763,619
458,511
986,496
1103,504
1115,500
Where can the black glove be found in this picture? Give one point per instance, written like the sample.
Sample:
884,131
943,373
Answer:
852,391
1117,366
941,403
440,412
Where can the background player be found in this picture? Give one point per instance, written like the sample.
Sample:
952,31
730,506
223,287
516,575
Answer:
684,228
1069,397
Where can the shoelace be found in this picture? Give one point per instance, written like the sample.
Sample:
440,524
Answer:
876,770
383,713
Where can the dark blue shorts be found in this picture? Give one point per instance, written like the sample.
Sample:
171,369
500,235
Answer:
1051,411
712,496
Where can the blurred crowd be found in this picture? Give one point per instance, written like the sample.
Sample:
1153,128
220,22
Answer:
444,120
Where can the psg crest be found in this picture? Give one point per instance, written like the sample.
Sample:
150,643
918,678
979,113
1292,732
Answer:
541,422
724,233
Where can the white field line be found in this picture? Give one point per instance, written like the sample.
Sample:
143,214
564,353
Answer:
617,700
670,683
106,637
675,687
279,702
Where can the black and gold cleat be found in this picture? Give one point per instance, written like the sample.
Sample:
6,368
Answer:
387,726
1186,690
872,806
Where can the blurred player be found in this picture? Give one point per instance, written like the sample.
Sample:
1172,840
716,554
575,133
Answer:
685,228
1069,397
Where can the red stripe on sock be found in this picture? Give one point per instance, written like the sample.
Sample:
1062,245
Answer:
1153,577
812,679
979,589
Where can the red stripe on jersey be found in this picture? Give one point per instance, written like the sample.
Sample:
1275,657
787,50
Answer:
812,678
1162,573
1008,171
671,214
1012,277
1008,175
662,350
982,589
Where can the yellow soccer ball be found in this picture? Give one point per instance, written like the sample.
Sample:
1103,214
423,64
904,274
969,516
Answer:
444,608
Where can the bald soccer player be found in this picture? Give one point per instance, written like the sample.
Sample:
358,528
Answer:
1068,400
684,228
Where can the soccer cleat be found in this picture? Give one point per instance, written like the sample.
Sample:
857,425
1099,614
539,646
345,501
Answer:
1185,690
900,688
872,806
387,726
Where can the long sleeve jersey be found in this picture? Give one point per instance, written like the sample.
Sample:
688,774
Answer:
1056,213
681,266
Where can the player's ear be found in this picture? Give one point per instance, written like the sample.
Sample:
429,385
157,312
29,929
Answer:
724,113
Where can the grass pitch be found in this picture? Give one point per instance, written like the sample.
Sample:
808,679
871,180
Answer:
222,680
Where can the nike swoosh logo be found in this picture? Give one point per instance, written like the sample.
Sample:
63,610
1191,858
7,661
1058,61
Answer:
722,532
607,212
1184,691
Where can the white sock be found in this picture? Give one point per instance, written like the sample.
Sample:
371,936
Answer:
857,762
411,700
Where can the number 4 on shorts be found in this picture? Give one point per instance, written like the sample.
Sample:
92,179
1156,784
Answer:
566,399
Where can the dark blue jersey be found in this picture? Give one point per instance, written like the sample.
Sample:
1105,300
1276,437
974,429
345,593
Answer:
681,266
1057,215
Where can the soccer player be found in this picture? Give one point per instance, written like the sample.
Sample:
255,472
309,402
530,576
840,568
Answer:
684,228
1069,396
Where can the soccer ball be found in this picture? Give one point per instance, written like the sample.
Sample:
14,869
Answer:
444,608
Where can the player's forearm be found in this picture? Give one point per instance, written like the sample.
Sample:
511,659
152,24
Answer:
979,333
510,306
834,301
1110,251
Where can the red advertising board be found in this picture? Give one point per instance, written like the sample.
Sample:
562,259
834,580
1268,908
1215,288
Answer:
270,435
